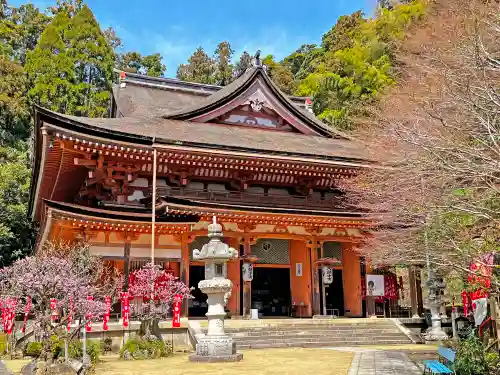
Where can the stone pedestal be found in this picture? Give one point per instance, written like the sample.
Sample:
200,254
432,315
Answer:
216,346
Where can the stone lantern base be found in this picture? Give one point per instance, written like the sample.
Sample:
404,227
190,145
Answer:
216,349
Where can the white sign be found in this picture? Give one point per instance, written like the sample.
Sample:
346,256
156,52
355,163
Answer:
375,285
480,307
298,269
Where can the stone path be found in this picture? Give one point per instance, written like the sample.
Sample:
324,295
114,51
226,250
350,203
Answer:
380,362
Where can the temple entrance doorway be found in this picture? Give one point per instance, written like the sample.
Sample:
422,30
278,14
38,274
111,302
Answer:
334,294
198,306
271,293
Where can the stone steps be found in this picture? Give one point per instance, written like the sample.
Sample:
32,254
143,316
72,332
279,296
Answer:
315,344
308,337
314,329
314,333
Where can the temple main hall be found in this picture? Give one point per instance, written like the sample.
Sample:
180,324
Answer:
145,183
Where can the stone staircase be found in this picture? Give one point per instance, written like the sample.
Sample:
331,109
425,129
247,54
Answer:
314,333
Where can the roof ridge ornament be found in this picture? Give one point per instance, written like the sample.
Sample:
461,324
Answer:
308,105
256,59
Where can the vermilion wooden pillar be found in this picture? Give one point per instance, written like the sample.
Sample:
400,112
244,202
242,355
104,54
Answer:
313,246
233,274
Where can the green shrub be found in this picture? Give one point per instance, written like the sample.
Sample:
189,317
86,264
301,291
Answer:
493,362
470,358
75,350
56,347
136,348
33,349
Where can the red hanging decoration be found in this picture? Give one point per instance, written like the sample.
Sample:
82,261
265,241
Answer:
465,302
88,316
11,314
480,277
107,301
53,307
176,320
71,309
4,315
125,308
27,309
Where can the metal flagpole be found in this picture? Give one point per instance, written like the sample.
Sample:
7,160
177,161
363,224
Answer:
153,209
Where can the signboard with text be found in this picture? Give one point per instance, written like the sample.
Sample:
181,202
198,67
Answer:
176,319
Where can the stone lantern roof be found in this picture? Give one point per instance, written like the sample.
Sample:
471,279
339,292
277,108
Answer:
215,249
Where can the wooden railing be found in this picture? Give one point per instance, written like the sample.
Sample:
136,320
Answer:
270,200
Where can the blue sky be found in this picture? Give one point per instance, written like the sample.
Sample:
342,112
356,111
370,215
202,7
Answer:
177,28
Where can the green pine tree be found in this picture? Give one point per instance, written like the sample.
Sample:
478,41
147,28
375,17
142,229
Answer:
200,68
224,68
71,68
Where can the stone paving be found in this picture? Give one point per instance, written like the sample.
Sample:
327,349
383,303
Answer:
380,362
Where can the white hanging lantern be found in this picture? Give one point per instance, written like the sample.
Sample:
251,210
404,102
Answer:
327,275
247,269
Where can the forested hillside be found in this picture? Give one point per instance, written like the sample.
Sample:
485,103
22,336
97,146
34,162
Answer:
353,64
61,58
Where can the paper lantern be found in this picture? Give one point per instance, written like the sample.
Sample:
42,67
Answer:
327,274
247,269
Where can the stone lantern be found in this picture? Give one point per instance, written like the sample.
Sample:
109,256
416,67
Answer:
435,286
216,346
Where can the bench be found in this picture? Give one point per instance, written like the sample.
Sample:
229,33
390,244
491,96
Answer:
436,366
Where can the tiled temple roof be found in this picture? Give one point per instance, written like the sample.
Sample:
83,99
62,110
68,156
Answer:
236,87
156,96
210,136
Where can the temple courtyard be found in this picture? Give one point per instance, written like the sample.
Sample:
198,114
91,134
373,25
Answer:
367,360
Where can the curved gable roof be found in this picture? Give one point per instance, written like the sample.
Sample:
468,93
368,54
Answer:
238,87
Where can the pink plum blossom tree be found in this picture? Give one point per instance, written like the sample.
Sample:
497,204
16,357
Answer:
158,289
66,274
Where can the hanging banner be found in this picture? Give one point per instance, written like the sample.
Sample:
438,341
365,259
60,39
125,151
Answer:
70,313
53,307
11,315
4,315
176,319
27,310
480,308
88,317
125,309
107,301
